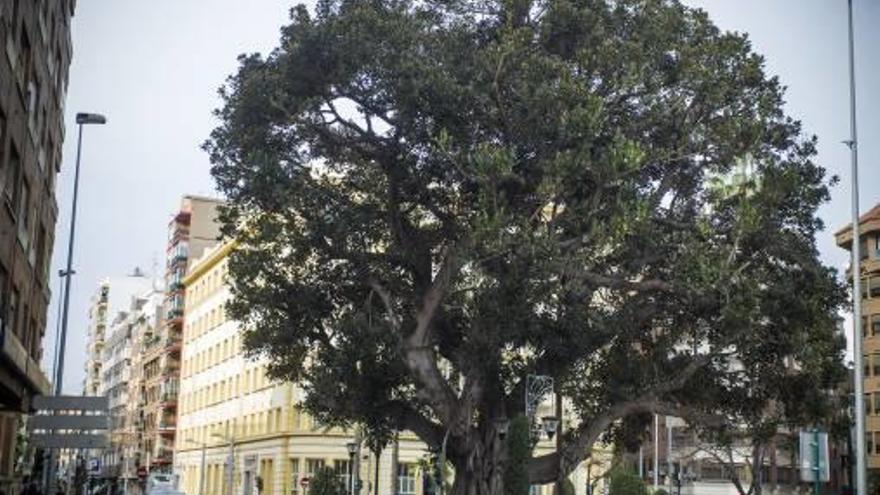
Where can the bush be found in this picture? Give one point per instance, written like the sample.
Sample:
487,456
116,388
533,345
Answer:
660,491
626,483
325,482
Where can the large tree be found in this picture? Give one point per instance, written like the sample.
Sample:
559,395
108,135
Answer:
434,199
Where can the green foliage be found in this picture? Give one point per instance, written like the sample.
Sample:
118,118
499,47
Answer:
500,189
623,482
326,482
567,487
660,491
519,451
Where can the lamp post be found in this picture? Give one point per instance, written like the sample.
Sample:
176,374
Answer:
852,142
352,451
81,120
202,469
230,473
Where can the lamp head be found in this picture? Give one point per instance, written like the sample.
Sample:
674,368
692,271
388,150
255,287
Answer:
352,448
550,423
90,118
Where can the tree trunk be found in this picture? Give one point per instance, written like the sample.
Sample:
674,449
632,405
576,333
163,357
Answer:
482,472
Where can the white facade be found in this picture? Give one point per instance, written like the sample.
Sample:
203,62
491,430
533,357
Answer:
122,307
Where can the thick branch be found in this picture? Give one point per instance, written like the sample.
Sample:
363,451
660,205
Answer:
419,354
545,469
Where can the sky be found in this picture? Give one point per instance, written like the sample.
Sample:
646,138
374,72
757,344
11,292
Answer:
153,68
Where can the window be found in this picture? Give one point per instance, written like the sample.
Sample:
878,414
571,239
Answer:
406,479
313,466
13,311
294,475
868,406
534,489
875,325
876,363
867,366
13,176
341,470
877,402
869,441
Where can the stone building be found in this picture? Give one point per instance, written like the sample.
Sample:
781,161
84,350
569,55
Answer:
33,84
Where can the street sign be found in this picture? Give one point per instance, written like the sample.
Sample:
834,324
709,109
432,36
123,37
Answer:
70,440
813,444
71,403
94,466
69,422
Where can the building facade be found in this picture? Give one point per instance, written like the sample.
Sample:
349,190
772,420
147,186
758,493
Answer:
226,398
108,350
33,84
193,229
869,240
122,382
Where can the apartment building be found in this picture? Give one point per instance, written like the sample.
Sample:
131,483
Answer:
869,251
225,397
33,84
122,379
108,347
193,229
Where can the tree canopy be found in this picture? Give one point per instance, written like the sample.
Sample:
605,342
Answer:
434,199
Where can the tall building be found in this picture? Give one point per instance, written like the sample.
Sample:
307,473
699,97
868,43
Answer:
33,85
108,349
121,381
869,250
193,229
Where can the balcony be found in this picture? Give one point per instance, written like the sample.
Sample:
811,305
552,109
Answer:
172,344
169,399
174,314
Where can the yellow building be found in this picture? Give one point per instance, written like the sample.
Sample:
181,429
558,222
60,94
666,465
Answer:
227,404
869,250
225,396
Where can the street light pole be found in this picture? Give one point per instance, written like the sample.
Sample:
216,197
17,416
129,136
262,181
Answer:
861,473
81,119
230,474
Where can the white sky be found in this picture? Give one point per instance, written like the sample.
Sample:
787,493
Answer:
154,67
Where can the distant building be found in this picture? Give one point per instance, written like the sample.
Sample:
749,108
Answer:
109,346
130,331
193,229
33,84
869,232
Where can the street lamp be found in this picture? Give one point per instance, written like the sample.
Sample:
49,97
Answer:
230,474
549,424
352,451
81,119
202,470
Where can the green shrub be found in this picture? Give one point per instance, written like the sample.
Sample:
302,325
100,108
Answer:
626,483
325,482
